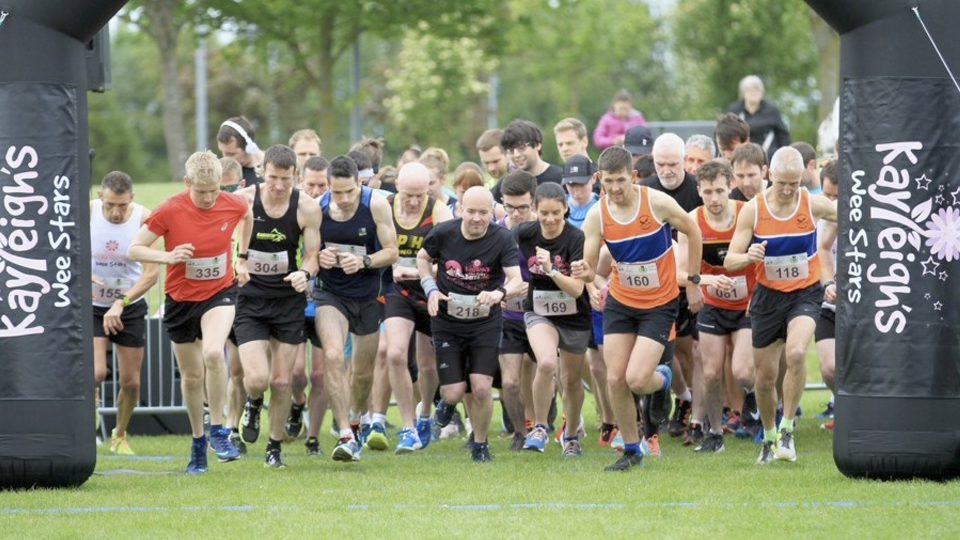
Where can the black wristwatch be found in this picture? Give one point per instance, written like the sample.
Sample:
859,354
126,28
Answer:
503,291
695,279
366,261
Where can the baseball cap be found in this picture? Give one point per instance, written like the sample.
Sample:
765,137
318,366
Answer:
578,170
638,140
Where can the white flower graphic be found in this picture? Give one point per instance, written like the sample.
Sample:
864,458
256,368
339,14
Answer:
943,234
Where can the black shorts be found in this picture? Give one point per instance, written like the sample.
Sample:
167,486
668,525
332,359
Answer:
260,319
721,322
310,328
513,338
686,321
652,323
363,316
134,325
771,311
182,319
826,325
404,307
466,351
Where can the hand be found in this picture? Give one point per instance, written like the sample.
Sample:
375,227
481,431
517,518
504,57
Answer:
618,140
180,254
604,292
694,297
111,319
719,282
404,273
830,293
243,275
490,298
350,263
298,279
580,270
433,302
543,259
757,251
328,258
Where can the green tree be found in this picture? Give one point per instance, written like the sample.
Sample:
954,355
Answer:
569,57
436,90
314,49
721,41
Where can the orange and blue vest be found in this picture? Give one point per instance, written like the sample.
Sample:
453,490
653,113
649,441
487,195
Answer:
716,244
644,271
790,262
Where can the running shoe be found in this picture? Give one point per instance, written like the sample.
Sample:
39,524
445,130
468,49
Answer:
409,442
827,413
250,421
444,414
198,456
537,439
238,442
294,424
560,433
571,448
827,425
681,417
786,451
626,462
766,453
424,432
119,445
313,447
347,449
222,447
733,422
481,453
694,435
607,434
376,439
651,445
273,460
617,442
713,442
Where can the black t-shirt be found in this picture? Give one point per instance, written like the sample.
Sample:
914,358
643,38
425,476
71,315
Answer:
551,174
685,194
564,249
250,176
738,195
468,267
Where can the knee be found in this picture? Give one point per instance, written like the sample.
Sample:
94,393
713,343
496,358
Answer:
481,393
280,385
255,383
547,367
396,358
191,381
99,374
638,382
213,357
616,380
130,383
712,374
451,395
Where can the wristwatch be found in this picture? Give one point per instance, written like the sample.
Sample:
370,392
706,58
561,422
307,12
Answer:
695,279
552,272
366,261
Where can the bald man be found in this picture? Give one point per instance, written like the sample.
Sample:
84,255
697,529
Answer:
415,214
463,301
777,230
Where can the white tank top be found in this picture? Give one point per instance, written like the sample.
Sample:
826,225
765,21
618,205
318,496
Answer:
109,262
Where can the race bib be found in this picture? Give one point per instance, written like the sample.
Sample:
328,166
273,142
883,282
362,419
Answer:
359,251
264,263
786,267
111,290
465,307
638,275
515,303
739,291
406,262
553,303
206,268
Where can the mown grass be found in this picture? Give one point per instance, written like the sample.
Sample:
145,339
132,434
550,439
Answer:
440,493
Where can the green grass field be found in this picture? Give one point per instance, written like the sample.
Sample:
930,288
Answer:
440,493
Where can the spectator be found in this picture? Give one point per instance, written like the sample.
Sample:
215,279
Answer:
614,123
763,117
